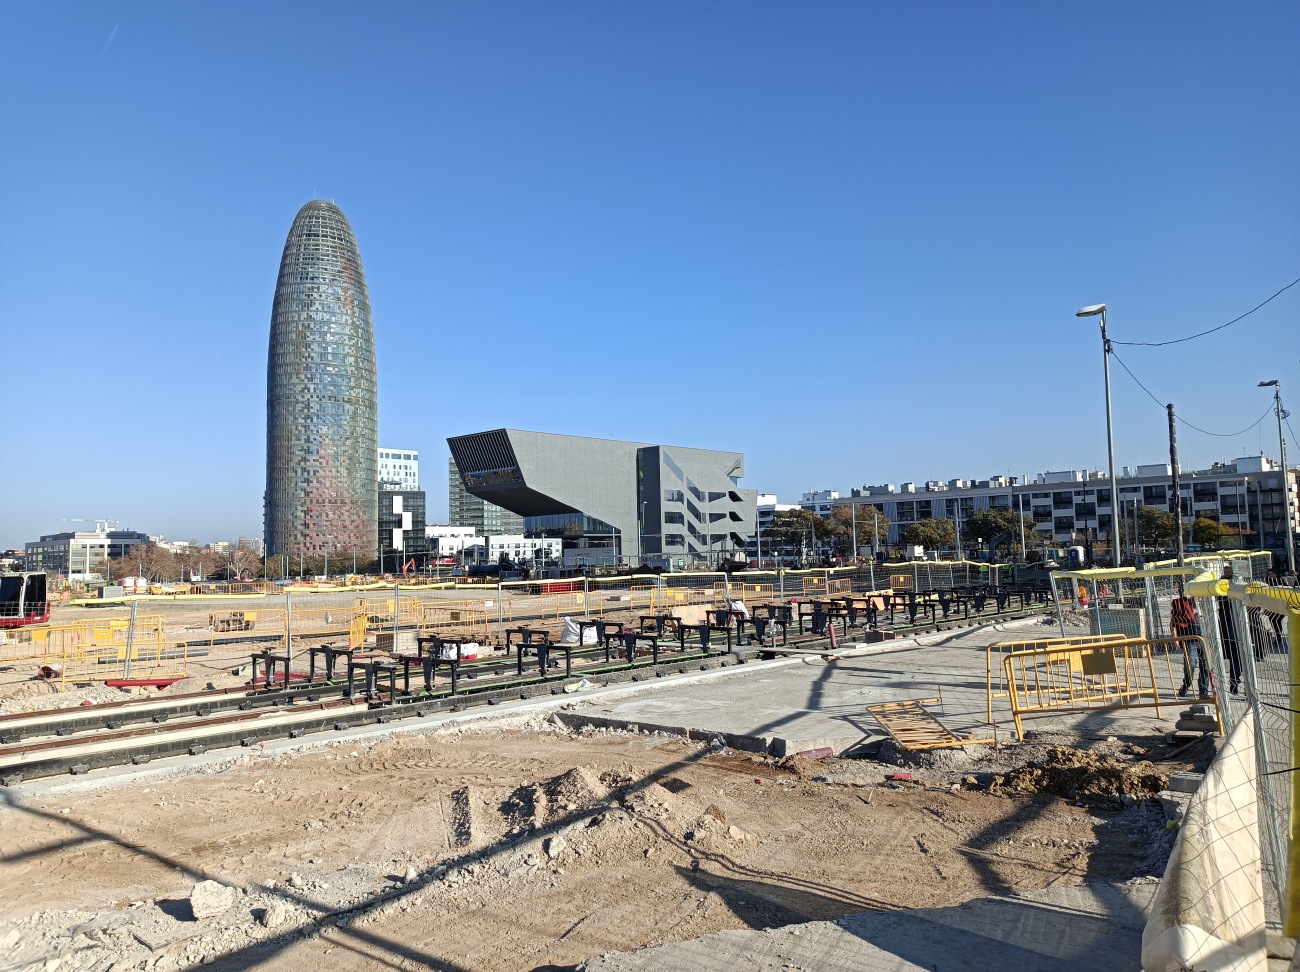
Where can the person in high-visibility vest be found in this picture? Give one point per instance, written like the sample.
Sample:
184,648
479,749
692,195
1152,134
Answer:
1183,620
1083,595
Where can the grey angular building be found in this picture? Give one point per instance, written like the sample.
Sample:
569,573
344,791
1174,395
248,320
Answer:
321,394
612,502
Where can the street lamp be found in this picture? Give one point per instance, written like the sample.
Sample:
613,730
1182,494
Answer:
1093,310
1286,478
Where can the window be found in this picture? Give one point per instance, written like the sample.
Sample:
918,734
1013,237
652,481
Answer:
678,518
674,496
1205,492
715,517
1103,496
1040,495
1043,514
1064,524
906,512
714,497
694,511
923,509
674,540
695,491
1062,501
1085,509
1153,494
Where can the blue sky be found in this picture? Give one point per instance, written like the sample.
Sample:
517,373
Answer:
845,239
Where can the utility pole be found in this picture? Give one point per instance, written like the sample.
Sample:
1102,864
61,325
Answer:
1178,494
1286,475
1093,311
854,508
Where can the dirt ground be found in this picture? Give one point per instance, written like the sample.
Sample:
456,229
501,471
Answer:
517,849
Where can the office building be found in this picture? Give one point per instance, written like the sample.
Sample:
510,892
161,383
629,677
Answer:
321,394
443,540
464,509
1071,505
80,555
399,468
613,502
401,527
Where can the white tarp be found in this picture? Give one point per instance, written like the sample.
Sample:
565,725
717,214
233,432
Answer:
1209,912
571,631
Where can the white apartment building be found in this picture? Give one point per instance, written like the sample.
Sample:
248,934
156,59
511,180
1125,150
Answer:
399,468
820,501
447,541
1246,493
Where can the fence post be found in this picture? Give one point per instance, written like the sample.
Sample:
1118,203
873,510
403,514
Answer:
1060,616
780,579
872,568
1214,649
586,597
500,633
1155,624
397,611
130,641
288,628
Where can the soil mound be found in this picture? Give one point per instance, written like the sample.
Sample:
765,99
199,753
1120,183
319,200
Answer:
801,766
578,789
1080,774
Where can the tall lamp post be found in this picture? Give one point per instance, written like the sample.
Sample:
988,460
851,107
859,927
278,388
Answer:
1093,310
1286,477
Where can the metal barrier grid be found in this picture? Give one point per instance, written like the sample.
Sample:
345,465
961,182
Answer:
1250,636
1128,674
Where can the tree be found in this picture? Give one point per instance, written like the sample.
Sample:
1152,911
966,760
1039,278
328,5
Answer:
983,525
869,519
931,534
1155,525
144,560
1207,532
242,560
796,526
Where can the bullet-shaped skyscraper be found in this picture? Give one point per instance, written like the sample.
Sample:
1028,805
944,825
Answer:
322,421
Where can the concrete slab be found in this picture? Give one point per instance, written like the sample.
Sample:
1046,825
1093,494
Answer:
1073,929
812,703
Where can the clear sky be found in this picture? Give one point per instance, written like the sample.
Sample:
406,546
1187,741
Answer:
847,239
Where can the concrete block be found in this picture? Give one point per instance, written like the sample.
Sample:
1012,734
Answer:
405,642
1174,803
1185,782
874,636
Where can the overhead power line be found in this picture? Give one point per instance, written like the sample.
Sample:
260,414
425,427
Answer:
1223,435
1161,344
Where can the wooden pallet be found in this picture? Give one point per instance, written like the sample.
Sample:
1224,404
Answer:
912,726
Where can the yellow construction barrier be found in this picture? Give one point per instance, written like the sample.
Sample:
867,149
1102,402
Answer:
39,643
1004,648
1120,674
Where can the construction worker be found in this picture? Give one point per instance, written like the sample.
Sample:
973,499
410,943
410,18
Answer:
1183,620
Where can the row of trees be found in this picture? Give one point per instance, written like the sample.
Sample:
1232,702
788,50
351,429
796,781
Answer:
160,565
1156,526
798,528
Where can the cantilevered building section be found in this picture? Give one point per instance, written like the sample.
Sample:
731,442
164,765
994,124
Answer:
321,396
613,502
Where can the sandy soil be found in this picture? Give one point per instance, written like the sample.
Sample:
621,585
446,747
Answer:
515,849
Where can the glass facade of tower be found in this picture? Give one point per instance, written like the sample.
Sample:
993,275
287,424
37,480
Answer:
321,394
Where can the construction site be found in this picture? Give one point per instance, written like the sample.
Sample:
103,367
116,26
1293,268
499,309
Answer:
923,766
